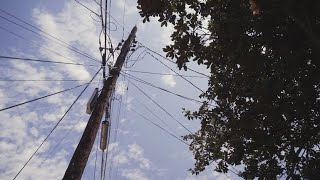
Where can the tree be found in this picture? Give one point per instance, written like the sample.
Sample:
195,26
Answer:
264,58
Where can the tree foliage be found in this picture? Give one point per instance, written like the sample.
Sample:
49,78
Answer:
265,81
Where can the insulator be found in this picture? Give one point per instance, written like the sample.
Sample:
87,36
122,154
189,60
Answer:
104,135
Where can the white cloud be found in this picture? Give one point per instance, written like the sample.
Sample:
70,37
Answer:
121,88
22,129
130,9
120,158
76,27
134,174
128,103
169,80
136,153
80,126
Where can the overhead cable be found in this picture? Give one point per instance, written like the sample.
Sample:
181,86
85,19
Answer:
130,108
157,87
177,73
62,43
37,44
153,50
42,97
62,139
87,8
160,107
55,126
157,73
38,80
172,61
43,61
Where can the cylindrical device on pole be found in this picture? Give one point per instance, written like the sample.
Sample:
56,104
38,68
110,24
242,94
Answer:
104,135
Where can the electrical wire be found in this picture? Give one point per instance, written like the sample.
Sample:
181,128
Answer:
37,80
42,97
153,50
123,17
155,115
64,44
161,107
116,134
87,8
102,165
124,115
97,140
177,73
109,21
96,156
143,54
109,135
157,73
162,89
105,34
44,32
43,61
62,139
55,126
130,108
37,44
172,61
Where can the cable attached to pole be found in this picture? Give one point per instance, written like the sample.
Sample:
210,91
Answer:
43,61
26,102
55,126
161,108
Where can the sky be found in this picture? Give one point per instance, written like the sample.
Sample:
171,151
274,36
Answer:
138,149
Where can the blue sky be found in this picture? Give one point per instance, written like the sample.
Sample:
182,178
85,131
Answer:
140,150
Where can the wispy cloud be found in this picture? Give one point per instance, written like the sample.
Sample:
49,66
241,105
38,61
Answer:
169,80
134,174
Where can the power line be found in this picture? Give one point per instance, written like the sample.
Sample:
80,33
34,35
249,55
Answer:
38,80
55,126
37,44
154,123
62,139
162,89
172,61
155,51
177,73
160,107
107,118
157,73
96,157
154,114
124,116
26,102
43,61
64,44
116,134
87,8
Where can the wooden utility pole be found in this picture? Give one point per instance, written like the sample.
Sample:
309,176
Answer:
82,152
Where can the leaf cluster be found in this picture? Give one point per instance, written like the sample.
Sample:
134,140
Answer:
265,81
